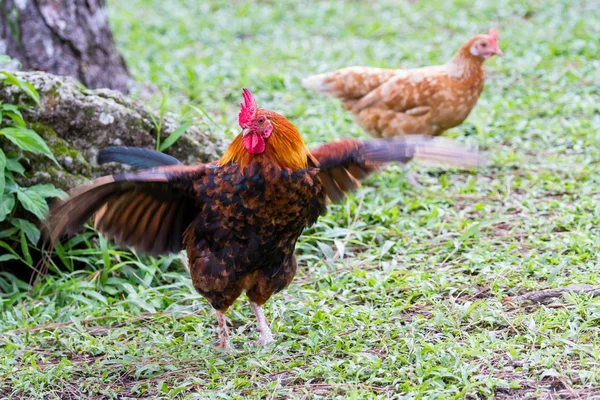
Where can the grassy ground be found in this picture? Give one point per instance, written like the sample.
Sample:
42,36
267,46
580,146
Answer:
401,290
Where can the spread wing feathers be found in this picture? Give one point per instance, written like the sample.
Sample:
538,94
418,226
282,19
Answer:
342,164
350,83
136,157
148,210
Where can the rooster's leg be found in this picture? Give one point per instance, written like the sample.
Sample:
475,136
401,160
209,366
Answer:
266,336
223,335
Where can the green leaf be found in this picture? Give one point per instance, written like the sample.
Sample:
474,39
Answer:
28,140
7,203
175,135
472,231
25,249
6,257
30,230
16,117
13,113
8,232
11,186
33,198
33,202
158,126
4,59
47,190
13,164
24,86
2,167
8,248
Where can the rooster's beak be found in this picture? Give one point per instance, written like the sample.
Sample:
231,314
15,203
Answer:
245,131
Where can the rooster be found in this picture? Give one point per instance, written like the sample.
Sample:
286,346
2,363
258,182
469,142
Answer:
237,218
429,100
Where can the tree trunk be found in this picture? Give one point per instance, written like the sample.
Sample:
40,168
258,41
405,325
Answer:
63,37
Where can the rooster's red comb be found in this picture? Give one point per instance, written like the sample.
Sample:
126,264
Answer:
493,34
248,111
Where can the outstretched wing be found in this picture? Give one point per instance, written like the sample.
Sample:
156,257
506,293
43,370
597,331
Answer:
148,210
342,164
136,157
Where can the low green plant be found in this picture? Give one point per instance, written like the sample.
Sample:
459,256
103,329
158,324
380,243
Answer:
13,129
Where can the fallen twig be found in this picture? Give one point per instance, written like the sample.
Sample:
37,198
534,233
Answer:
545,296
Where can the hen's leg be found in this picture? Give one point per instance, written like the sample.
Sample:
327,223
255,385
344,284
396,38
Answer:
223,334
266,336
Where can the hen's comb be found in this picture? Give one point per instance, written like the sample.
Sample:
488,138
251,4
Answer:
248,111
493,34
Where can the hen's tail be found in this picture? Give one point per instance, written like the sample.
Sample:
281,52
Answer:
350,83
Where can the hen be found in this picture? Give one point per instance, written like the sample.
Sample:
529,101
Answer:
238,218
429,100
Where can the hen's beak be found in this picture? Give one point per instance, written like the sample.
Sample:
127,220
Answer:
245,131
499,52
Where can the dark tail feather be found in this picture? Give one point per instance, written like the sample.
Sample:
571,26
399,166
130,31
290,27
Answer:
136,157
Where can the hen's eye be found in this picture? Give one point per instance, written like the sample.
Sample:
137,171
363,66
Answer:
484,44
261,120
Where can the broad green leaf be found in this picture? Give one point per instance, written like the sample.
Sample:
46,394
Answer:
33,202
32,92
13,164
6,257
33,198
7,203
47,190
2,167
16,117
4,59
13,113
10,185
30,230
10,107
24,86
28,140
175,135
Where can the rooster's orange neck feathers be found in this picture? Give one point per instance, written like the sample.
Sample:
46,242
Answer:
284,148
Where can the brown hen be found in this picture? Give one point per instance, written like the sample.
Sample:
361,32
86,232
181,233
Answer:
428,100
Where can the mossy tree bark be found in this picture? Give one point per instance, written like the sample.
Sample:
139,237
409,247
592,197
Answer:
63,37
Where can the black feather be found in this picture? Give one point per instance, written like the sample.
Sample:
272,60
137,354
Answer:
136,157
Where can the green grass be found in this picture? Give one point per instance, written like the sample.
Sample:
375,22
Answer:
401,290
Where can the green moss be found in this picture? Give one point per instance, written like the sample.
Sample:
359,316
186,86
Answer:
58,145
